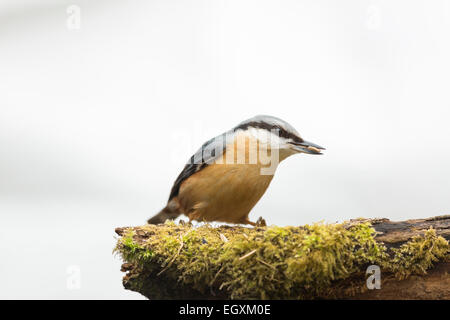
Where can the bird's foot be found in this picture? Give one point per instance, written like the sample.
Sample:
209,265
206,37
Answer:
261,222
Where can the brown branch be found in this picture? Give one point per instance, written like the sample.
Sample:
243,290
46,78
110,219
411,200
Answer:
435,284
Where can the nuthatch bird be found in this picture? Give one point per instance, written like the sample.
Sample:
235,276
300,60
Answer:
227,176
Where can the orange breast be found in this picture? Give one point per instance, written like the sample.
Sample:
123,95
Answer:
224,192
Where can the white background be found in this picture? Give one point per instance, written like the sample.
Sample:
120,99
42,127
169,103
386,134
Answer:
97,122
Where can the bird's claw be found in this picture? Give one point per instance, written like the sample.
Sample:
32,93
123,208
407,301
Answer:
261,222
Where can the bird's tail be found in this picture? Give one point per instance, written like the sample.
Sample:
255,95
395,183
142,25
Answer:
167,213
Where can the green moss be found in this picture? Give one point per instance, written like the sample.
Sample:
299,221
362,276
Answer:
266,263
134,251
417,255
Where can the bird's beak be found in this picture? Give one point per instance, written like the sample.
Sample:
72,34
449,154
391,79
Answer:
307,147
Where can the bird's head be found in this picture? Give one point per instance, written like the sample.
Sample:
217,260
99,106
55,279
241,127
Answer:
276,133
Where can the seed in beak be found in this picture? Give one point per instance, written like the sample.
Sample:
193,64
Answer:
314,149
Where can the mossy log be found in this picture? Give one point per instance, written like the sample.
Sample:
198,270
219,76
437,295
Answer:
319,261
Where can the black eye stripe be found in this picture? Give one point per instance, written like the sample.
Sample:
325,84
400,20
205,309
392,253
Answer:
263,125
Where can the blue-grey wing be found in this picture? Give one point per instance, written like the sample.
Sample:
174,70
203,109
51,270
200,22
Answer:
207,154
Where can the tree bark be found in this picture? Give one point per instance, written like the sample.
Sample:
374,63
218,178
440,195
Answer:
435,284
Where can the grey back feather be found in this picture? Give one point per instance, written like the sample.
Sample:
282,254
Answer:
207,154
